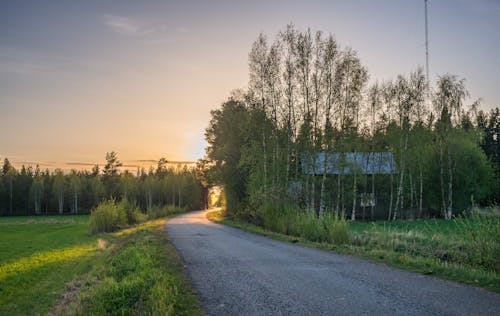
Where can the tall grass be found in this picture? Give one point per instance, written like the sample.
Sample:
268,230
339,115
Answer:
481,237
291,220
472,240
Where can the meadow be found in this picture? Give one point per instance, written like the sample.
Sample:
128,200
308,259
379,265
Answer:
465,249
52,265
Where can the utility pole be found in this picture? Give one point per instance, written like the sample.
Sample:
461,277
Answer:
426,48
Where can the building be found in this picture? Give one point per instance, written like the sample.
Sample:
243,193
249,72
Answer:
347,163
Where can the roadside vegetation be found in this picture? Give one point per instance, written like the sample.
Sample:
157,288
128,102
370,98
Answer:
52,264
109,215
464,249
140,274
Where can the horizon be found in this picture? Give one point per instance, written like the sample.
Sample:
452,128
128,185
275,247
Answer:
127,165
142,78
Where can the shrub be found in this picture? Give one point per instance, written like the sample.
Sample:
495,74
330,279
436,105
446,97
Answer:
106,217
132,212
157,212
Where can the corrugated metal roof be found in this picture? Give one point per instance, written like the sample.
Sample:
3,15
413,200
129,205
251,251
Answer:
344,163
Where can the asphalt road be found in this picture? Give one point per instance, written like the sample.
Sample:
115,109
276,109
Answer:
239,273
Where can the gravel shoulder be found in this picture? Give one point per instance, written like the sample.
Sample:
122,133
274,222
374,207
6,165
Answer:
239,273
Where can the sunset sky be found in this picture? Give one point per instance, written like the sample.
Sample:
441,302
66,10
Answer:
80,78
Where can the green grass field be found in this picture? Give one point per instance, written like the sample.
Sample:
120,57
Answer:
50,264
463,250
38,256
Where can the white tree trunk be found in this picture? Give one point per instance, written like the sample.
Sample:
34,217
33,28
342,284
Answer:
354,192
449,212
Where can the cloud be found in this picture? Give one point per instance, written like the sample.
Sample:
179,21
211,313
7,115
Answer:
146,160
127,26
79,164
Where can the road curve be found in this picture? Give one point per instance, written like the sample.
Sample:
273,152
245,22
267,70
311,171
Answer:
239,273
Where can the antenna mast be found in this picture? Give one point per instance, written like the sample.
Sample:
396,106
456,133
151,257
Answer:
426,47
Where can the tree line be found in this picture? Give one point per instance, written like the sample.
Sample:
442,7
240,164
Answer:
31,191
307,96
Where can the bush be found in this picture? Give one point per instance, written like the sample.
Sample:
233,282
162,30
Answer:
107,216
132,212
157,212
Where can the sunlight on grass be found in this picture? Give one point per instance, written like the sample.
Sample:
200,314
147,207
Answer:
43,258
146,225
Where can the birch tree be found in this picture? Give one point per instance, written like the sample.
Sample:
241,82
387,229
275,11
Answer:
257,60
288,39
75,184
375,103
59,187
36,191
448,104
329,63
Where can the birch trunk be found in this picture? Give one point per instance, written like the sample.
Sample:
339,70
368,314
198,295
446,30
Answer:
354,191
75,200
441,178
450,188
372,211
391,196
337,208
421,191
61,202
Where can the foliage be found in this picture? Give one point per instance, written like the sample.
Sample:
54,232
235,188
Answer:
30,191
308,96
108,216
132,212
168,210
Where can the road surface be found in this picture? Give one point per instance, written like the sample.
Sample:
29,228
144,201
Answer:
239,273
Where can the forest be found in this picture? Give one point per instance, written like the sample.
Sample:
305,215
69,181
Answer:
308,96
31,191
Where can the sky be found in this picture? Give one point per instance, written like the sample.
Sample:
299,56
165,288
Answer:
82,78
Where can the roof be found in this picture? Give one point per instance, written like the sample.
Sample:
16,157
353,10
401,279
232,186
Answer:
344,163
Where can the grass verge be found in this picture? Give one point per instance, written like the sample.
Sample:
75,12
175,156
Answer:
140,274
404,245
51,265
